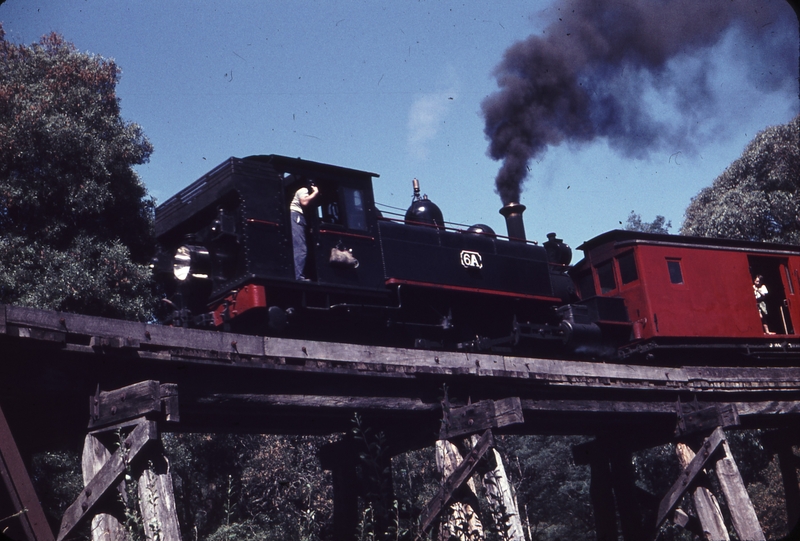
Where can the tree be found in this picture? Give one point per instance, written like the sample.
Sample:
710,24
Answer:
659,225
76,220
757,196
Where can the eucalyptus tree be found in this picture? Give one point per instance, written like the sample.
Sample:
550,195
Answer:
75,219
758,196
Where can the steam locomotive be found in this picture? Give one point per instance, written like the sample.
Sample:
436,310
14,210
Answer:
226,262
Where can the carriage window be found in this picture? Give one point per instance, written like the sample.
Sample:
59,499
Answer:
354,209
675,273
605,274
627,268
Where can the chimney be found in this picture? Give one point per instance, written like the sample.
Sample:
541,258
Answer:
513,215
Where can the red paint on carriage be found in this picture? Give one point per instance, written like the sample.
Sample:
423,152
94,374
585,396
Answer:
698,288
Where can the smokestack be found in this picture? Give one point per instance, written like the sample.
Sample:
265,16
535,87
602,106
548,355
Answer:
512,212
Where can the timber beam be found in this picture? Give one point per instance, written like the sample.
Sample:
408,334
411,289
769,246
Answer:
477,417
147,398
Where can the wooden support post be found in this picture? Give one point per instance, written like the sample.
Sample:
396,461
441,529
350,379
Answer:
20,489
787,462
340,459
743,515
106,526
623,480
705,504
602,496
503,500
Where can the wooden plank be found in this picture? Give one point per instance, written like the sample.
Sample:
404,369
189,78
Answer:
105,526
109,476
704,419
147,335
445,494
688,475
134,401
203,347
137,400
20,488
577,405
318,401
743,515
477,417
705,504
56,337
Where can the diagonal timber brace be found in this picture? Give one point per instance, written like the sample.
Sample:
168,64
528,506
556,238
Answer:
20,488
109,476
743,515
455,480
690,473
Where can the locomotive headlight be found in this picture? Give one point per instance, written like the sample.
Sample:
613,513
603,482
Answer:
191,261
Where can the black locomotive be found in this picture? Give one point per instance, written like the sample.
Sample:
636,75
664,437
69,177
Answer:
227,262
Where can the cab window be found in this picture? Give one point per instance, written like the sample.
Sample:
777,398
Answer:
605,275
355,213
627,268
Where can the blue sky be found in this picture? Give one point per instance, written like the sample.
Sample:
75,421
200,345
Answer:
396,88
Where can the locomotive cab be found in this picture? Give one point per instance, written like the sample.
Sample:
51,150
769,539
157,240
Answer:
227,239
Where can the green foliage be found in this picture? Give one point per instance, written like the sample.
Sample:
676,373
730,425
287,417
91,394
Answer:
76,221
237,488
56,476
552,492
659,225
757,196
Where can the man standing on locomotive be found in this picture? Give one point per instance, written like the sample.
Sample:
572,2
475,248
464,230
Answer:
302,198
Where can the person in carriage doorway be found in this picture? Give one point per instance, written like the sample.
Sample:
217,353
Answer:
760,291
302,198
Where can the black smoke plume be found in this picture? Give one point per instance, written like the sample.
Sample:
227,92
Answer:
588,74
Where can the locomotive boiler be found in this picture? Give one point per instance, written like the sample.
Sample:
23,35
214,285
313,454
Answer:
226,262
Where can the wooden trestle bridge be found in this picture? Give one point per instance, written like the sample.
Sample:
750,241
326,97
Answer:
69,378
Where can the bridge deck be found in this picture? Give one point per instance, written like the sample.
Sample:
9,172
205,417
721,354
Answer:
50,363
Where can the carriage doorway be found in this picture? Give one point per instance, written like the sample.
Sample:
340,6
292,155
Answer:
782,293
